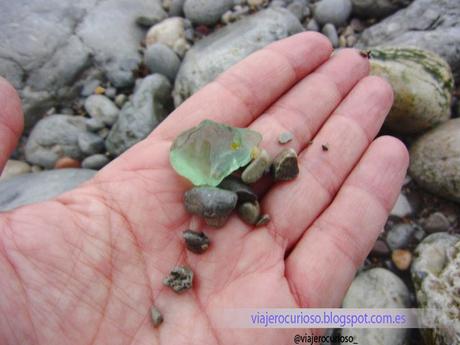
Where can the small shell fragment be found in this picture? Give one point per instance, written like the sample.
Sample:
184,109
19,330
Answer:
156,316
196,242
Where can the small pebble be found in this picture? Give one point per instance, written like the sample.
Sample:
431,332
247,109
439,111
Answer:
330,32
179,279
196,242
243,191
380,248
157,318
159,58
325,148
401,258
436,222
217,222
210,202
256,169
94,124
120,100
285,166
99,90
90,143
285,137
95,162
312,25
66,162
249,212
263,220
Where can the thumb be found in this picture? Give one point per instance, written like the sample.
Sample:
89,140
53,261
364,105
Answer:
11,120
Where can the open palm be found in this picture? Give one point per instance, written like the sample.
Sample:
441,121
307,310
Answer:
86,267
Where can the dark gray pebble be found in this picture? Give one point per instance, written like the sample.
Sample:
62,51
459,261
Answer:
285,166
216,222
210,202
157,318
196,242
249,212
256,169
234,184
180,279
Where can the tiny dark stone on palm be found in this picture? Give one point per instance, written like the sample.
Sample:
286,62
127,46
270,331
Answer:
196,242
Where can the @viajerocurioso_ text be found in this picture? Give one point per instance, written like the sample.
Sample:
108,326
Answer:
323,339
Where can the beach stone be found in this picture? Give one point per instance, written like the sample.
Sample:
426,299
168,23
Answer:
176,8
89,87
95,162
400,235
249,212
434,160
149,105
210,202
436,222
402,259
377,288
436,277
402,207
427,24
257,168
40,186
242,190
170,32
422,84
54,137
377,9
94,125
330,32
332,11
102,108
285,137
90,143
67,163
206,12
380,248
285,166
14,168
196,242
312,25
156,316
299,8
263,220
180,279
226,46
159,58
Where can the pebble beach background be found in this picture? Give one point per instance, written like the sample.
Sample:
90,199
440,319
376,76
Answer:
97,76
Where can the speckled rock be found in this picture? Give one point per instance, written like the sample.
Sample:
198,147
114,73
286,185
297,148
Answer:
436,277
377,288
149,105
215,53
206,12
54,137
332,11
35,187
435,158
159,58
422,84
427,24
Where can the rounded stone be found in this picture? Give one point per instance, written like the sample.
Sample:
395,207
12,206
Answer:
331,33
256,169
95,162
380,248
102,108
249,212
312,25
156,316
402,259
90,143
234,184
170,32
377,288
206,12
210,202
94,124
436,222
375,9
66,163
400,235
332,11
159,58
422,83
436,278
196,242
434,160
285,166
402,207
14,168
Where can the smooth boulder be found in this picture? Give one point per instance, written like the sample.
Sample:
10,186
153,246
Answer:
214,54
435,160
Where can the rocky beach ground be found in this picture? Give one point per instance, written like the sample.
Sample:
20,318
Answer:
97,76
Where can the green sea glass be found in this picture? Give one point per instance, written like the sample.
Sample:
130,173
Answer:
211,151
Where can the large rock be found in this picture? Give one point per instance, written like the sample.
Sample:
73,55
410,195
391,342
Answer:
46,46
435,160
150,104
426,24
422,83
377,288
227,46
31,188
206,12
54,137
436,277
377,8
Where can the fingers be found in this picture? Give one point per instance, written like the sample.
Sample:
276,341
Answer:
339,240
303,110
245,90
11,120
345,137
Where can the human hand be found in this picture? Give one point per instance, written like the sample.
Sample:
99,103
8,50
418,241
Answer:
86,267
